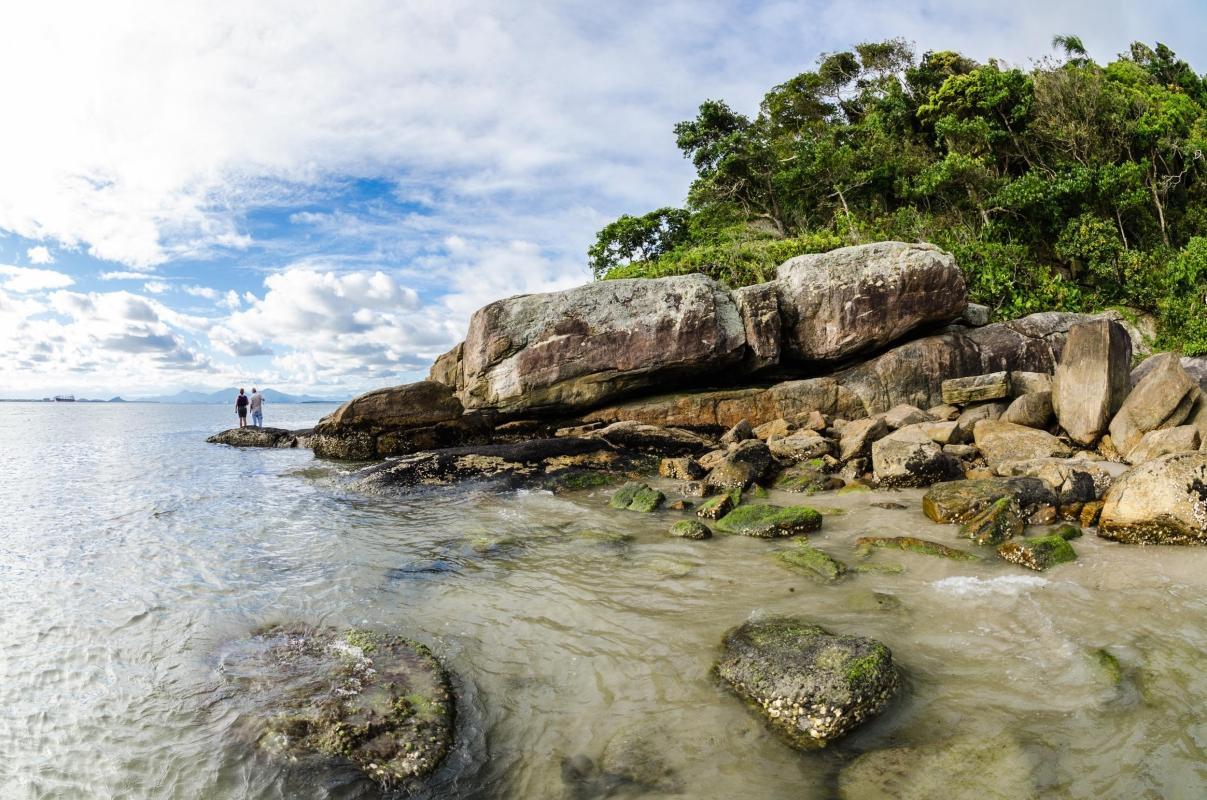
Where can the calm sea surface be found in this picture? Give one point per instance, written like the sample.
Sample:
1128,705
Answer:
133,557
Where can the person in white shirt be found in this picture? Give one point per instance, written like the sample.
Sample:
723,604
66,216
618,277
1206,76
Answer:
256,404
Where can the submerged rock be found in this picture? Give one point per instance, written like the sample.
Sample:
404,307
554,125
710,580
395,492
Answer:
690,529
256,437
768,521
811,562
969,768
811,686
864,545
381,702
1038,552
1163,501
635,756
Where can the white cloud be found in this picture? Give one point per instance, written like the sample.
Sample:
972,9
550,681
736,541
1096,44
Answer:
123,276
39,255
231,300
28,279
201,291
156,287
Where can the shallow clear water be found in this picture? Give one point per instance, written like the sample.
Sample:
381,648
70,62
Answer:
133,556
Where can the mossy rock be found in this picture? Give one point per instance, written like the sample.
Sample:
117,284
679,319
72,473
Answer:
806,479
577,481
877,569
812,563
718,506
382,702
634,496
864,545
1068,532
604,536
690,529
853,488
811,686
998,522
487,544
769,522
1038,552
1108,665
960,501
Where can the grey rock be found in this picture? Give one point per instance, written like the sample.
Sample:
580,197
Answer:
904,414
857,437
760,310
975,315
576,348
967,420
256,437
1022,383
837,304
738,433
644,438
800,446
1074,480
909,457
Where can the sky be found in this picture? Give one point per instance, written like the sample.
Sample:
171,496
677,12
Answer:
315,196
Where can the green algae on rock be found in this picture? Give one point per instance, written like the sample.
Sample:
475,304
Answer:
810,685
972,768
1038,552
960,501
864,545
381,702
806,478
718,506
811,562
634,496
997,523
690,529
769,522
1068,532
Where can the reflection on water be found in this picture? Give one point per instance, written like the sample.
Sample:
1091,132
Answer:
132,554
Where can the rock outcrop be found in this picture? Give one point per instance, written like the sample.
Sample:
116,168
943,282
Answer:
1092,379
251,436
810,685
1163,501
909,457
838,304
1004,441
574,349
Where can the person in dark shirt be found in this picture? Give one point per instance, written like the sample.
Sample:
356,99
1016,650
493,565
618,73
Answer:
241,408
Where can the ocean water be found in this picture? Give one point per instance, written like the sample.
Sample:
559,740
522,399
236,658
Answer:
134,557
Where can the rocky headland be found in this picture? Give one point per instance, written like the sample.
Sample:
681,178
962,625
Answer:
860,369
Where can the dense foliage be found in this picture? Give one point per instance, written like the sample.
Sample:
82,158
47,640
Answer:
1070,185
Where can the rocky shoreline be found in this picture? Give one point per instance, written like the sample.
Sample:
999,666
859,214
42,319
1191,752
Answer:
857,369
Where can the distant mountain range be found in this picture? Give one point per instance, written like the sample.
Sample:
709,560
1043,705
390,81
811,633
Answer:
226,396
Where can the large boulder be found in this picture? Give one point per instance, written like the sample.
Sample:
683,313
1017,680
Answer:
328,697
1154,444
577,348
1004,441
838,304
448,368
1092,379
810,685
909,457
1032,410
251,436
393,421
1163,501
1163,398
760,309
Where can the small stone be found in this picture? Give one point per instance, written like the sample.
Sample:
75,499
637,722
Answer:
680,469
997,523
905,414
1038,552
696,489
637,497
738,433
857,437
690,529
1089,513
959,391
776,427
679,505
944,412
811,562
964,451
718,506
1030,410
1044,515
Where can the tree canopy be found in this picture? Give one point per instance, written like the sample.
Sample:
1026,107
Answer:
1069,185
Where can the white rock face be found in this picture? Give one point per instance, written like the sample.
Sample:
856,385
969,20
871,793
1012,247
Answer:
573,349
847,301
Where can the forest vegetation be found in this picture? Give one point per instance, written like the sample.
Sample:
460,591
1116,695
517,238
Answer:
1069,185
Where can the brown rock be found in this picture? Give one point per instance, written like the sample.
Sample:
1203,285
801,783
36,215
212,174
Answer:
908,457
977,388
944,412
800,446
1163,501
760,311
1091,380
1182,439
1030,410
1162,399
904,414
738,433
857,437
650,438
1004,441
776,427
974,414
682,469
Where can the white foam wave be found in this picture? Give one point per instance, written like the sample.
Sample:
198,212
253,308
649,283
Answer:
1005,584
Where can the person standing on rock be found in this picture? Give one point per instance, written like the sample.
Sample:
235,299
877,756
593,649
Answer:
256,404
241,408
